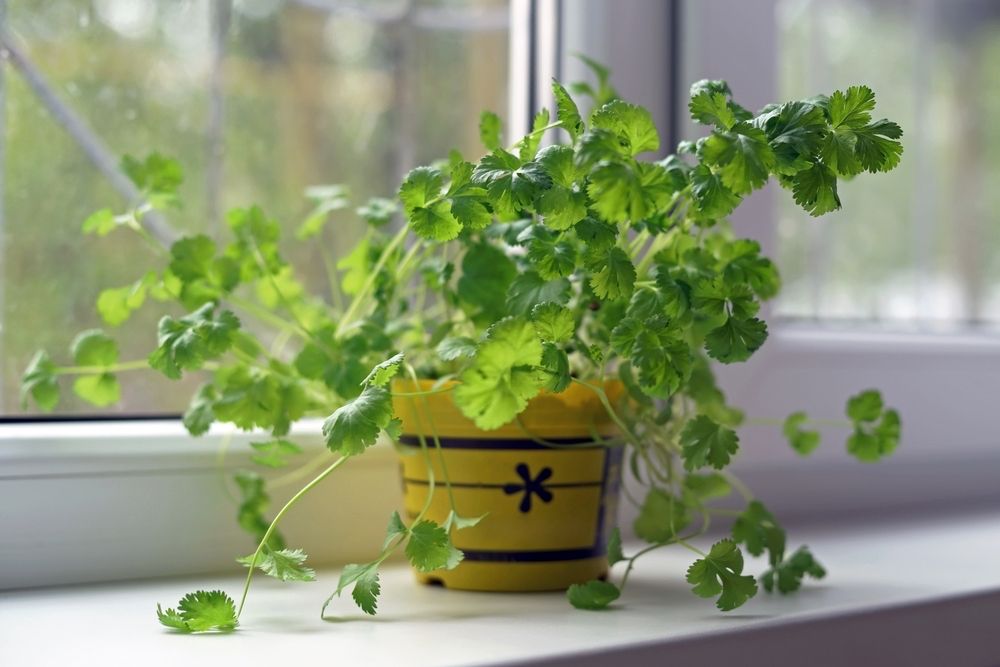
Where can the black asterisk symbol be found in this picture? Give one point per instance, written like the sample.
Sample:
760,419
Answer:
530,486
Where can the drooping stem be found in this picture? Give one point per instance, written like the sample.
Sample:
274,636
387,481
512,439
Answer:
277,519
359,299
138,364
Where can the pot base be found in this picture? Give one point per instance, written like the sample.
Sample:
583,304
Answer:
517,577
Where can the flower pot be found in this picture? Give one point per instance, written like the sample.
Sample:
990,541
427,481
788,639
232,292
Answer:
549,507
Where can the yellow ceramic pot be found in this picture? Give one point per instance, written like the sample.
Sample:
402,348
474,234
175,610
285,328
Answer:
550,507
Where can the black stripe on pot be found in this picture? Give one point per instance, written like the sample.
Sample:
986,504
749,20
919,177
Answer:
499,443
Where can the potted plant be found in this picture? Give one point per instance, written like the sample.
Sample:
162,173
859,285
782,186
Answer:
546,318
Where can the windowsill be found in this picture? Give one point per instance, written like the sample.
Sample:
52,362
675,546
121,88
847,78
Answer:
909,593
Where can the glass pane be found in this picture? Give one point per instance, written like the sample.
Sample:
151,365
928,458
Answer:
301,93
920,246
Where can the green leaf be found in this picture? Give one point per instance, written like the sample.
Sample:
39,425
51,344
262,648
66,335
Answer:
555,363
40,382
366,586
720,573
274,453
661,517
510,185
567,112
552,259
282,564
801,440
709,104
355,426
201,611
615,279
713,199
700,488
199,415
429,548
490,130
788,575
852,108
94,348
615,554
186,344
503,376
384,371
100,390
460,522
327,198
742,157
759,531
553,322
815,189
595,234
795,131
487,273
101,223
876,428
704,443
156,175
865,406
429,214
632,124
593,595
254,502
528,145
456,347
736,340
116,304
395,530
838,152
561,208
530,289
377,211
876,146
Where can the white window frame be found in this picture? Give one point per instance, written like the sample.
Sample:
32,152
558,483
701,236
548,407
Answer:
64,486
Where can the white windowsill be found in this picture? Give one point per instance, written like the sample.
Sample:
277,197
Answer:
917,593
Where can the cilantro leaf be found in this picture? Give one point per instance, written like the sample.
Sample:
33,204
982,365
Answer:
101,222
758,530
186,344
157,176
503,376
551,258
615,274
377,211
801,440
100,390
704,443
116,304
201,611
94,348
40,382
709,104
490,130
567,112
661,517
593,595
254,501
274,453
429,548
456,347
366,586
282,564
384,371
720,573
742,156
787,576
699,488
795,131
712,198
615,554
851,108
529,289
429,214
552,322
736,340
815,189
510,184
632,124
876,145
354,426
487,273
876,428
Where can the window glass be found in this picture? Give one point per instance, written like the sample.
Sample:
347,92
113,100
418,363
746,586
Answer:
258,99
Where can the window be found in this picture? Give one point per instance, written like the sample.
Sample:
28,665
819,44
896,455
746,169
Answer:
258,99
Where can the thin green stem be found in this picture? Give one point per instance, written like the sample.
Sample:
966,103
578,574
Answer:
277,519
359,299
138,364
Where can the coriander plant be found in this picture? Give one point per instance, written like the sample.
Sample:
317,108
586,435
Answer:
564,258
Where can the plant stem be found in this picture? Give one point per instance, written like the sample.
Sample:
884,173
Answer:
138,364
359,299
274,524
